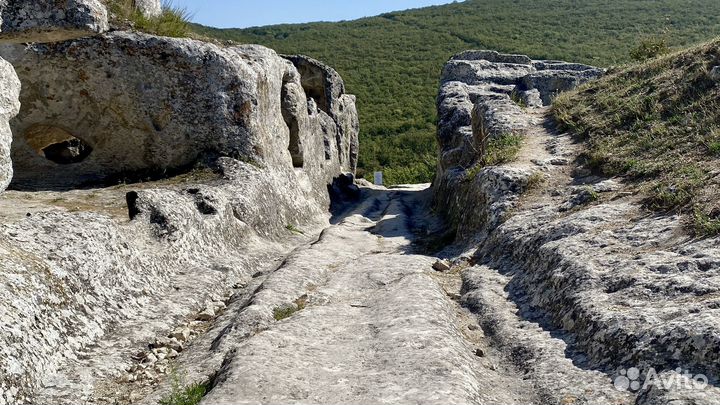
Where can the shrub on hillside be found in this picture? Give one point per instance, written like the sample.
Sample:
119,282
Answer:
649,48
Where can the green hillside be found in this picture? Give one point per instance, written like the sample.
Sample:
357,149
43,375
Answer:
392,62
658,125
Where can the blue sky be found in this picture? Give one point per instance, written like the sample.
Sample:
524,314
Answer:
249,13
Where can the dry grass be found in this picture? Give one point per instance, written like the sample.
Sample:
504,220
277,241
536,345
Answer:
286,311
182,394
502,149
536,180
173,22
657,123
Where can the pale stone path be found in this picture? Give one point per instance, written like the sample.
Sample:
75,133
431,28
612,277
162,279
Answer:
376,325
379,325
379,330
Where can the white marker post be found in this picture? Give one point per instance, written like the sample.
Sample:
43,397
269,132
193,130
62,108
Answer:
378,178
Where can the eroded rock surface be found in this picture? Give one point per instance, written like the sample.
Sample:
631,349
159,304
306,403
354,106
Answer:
174,102
240,158
50,20
575,255
43,21
9,107
327,88
333,325
481,94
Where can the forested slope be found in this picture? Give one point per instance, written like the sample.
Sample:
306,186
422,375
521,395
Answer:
392,62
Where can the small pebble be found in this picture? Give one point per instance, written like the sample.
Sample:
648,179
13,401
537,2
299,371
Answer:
441,265
181,334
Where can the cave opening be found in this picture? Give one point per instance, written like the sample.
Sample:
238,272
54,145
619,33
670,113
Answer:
57,144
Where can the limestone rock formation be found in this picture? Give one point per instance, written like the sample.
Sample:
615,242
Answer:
236,151
9,107
481,93
327,88
146,105
50,20
40,21
573,254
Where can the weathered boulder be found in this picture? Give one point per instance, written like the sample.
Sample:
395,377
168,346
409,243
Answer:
9,107
146,105
50,20
150,8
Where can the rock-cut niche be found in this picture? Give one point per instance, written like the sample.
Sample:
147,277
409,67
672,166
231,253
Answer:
290,104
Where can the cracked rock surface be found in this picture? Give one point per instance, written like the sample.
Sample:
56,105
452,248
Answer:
370,324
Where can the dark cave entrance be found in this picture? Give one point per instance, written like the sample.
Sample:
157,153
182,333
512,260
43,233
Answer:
57,145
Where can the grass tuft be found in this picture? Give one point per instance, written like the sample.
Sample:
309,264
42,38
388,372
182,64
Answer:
498,150
292,228
518,99
280,313
174,21
502,149
286,311
705,226
181,394
536,180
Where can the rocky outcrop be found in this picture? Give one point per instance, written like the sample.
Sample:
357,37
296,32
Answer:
175,102
481,94
631,289
236,152
41,21
50,21
577,255
78,276
326,87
